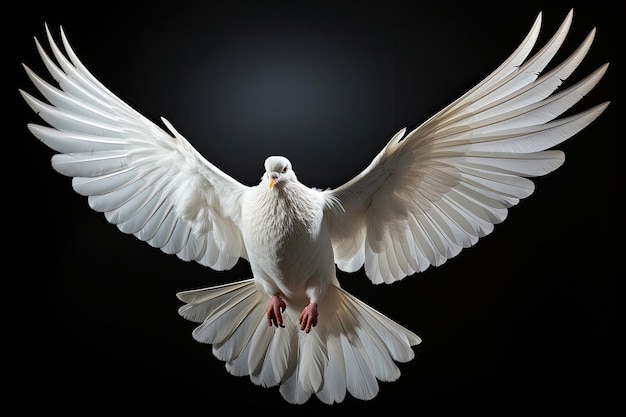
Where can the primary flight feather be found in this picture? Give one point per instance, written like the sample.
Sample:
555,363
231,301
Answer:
428,194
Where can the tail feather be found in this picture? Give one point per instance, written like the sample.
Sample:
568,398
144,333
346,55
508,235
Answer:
291,389
382,364
277,362
258,358
351,349
361,380
335,383
311,371
308,375
198,308
242,336
283,350
397,339
226,314
238,362
267,367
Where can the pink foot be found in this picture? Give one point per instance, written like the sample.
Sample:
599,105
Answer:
274,310
308,317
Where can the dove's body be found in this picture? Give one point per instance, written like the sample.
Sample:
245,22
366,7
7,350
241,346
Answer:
424,197
288,247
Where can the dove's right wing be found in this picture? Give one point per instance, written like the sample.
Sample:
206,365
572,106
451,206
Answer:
145,180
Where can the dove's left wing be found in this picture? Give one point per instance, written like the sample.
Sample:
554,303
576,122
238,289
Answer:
145,180
437,190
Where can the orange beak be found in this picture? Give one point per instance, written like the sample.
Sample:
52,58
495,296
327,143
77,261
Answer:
272,181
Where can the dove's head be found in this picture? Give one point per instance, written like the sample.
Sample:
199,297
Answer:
278,171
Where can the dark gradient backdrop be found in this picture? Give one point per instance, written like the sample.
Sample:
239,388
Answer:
523,323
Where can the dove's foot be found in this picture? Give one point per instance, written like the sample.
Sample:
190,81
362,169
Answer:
273,314
308,317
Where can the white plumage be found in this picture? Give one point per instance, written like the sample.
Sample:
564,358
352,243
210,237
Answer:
427,195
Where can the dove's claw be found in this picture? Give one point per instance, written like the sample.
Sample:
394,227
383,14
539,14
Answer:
308,317
274,311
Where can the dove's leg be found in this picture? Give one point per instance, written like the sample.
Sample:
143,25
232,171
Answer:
308,317
273,314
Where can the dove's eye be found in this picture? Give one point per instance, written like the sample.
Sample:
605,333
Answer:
284,170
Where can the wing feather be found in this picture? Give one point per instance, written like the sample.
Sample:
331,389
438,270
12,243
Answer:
148,182
438,189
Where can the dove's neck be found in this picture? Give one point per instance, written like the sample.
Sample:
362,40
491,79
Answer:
292,207
280,215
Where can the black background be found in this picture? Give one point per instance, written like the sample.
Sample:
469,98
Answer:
525,322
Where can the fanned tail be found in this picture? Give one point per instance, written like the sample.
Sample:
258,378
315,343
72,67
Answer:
351,349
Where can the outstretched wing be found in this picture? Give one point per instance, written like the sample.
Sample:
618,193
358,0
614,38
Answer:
147,181
437,190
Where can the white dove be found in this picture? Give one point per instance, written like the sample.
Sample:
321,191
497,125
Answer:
427,195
